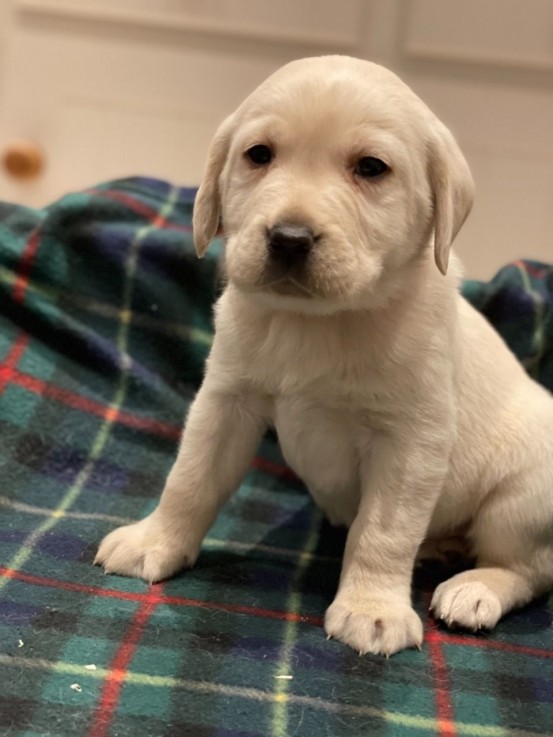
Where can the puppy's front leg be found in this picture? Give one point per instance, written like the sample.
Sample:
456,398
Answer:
372,610
221,435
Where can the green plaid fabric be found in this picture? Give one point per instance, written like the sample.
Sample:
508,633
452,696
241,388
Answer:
105,325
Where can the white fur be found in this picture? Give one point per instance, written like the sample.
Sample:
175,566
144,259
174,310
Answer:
394,400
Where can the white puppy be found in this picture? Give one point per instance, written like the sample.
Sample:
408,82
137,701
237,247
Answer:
397,404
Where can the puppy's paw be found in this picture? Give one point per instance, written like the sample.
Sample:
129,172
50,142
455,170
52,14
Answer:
145,550
378,627
462,602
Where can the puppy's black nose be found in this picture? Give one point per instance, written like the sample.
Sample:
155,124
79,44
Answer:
289,243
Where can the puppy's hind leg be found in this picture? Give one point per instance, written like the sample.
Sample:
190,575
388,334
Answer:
450,549
512,538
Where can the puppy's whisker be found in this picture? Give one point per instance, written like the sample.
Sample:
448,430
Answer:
302,287
290,280
269,285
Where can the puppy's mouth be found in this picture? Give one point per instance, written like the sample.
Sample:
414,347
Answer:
288,286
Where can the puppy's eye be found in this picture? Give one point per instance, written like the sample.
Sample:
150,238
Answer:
369,167
260,155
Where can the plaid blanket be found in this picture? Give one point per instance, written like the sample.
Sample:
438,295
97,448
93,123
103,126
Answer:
104,328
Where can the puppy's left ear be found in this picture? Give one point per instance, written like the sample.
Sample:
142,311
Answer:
452,189
207,206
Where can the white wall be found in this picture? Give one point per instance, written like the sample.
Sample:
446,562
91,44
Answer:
5,10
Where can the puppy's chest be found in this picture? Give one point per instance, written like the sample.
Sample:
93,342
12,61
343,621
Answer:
326,377
332,362
308,374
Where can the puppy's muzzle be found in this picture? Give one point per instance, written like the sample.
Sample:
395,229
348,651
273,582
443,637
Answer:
289,244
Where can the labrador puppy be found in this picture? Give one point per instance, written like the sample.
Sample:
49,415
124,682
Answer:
342,326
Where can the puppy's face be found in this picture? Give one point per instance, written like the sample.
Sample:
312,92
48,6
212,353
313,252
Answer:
324,180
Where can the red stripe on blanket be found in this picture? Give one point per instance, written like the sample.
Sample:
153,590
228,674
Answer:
7,367
172,600
274,469
25,266
155,427
535,271
444,711
473,641
83,404
118,668
316,621
149,213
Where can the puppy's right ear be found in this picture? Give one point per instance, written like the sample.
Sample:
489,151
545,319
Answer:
207,206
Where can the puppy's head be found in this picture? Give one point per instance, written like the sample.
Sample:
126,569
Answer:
330,179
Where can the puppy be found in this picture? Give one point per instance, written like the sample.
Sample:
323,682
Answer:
341,326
